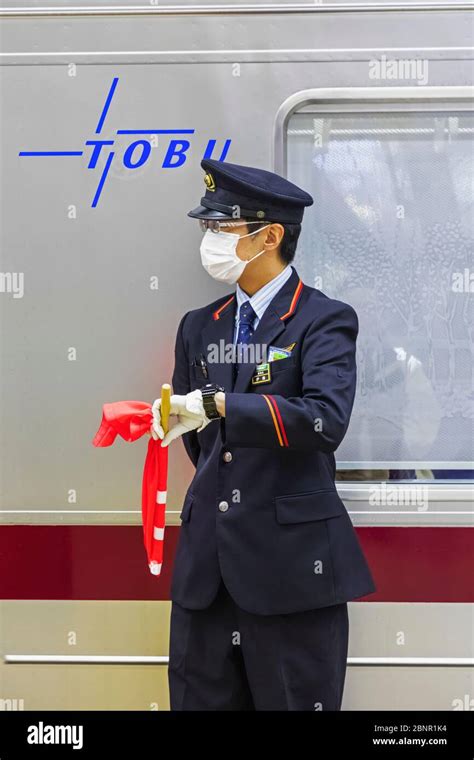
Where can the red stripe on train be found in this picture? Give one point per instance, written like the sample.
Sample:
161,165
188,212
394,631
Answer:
109,562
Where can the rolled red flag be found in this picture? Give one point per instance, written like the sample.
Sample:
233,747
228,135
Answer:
131,420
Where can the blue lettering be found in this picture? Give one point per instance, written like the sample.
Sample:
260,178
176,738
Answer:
175,151
210,149
96,152
127,156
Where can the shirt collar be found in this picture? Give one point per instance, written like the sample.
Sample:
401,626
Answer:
260,300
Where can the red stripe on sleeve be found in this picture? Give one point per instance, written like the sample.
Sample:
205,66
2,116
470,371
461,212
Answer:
280,421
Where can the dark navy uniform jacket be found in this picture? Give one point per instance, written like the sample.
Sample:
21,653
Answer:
262,510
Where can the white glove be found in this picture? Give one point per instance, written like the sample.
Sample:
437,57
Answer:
190,412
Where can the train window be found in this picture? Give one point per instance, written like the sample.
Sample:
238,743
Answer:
391,233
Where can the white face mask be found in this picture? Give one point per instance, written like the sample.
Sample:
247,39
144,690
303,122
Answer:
219,255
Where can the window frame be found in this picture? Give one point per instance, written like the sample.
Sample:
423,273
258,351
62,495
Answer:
364,100
358,100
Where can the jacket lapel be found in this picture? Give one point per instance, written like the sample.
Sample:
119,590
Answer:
217,338
272,324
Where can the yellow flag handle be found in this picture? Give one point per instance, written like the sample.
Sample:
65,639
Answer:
165,406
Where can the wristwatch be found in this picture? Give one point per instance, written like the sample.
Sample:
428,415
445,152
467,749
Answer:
208,392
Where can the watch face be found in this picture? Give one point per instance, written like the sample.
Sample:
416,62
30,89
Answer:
209,390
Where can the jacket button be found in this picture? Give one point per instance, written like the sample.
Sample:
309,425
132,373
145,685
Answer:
227,457
223,506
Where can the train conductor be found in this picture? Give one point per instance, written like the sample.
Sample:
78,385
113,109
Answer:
264,384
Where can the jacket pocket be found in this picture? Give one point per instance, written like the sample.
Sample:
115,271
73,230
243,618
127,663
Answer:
186,510
310,506
278,365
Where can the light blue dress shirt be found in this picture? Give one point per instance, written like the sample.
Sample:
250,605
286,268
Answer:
260,300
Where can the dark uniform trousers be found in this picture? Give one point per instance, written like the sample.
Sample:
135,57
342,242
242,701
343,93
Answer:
267,556
224,658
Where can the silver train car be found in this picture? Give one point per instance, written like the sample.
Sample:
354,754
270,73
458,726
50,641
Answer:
106,112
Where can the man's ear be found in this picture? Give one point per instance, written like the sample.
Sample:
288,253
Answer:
274,235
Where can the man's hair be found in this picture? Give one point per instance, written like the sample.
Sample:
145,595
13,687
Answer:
289,241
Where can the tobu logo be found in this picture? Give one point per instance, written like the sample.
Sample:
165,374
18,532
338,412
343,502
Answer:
137,153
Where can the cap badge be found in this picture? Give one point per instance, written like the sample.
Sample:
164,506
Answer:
209,182
260,214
